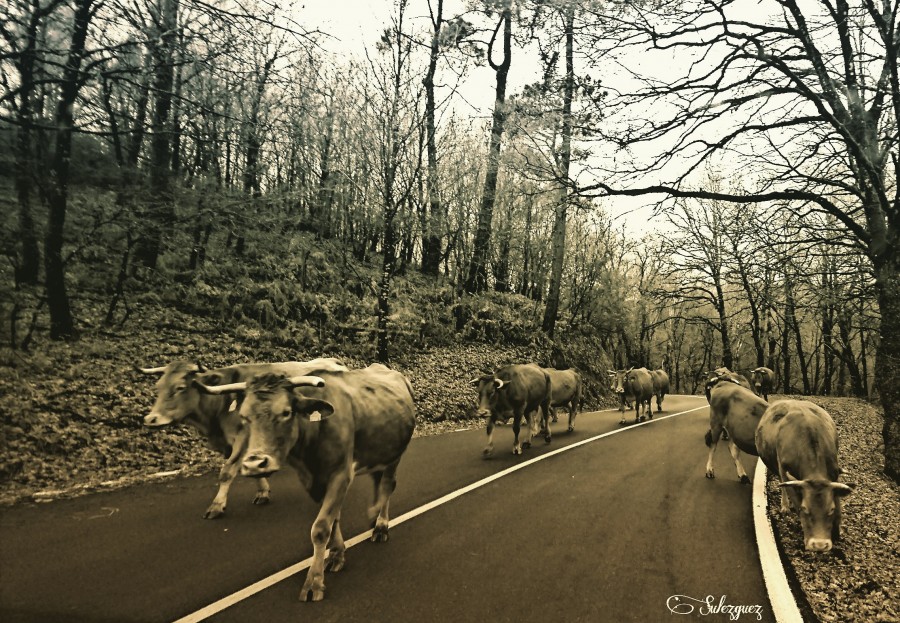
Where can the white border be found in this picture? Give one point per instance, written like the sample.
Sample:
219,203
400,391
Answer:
784,606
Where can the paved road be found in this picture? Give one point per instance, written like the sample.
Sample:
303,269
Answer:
608,531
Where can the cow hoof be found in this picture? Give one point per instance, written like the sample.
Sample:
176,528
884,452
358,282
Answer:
526,445
570,429
622,423
547,438
745,480
311,595
334,562
710,475
555,419
487,453
213,512
380,534
261,499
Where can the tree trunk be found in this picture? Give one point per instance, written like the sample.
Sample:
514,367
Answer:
727,354
62,325
551,311
477,278
28,269
434,221
887,368
160,213
792,324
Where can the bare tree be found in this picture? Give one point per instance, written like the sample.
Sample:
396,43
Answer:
810,99
477,275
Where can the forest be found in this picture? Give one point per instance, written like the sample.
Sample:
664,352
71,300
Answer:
211,180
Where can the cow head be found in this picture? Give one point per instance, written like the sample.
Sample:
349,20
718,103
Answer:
274,415
818,503
176,395
491,395
618,379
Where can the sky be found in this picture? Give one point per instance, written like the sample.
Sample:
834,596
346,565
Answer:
359,23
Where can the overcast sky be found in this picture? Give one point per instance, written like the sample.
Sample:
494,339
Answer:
359,23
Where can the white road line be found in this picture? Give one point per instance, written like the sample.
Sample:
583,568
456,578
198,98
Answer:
275,578
784,607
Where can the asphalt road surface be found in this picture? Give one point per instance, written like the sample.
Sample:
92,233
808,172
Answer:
624,528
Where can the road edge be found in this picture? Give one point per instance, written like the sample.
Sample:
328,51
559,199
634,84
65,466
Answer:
781,598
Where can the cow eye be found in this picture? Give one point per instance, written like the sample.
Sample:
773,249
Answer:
181,388
286,414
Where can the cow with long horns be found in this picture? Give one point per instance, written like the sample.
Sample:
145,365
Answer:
180,399
330,428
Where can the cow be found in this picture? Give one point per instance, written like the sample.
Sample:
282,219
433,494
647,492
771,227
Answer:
660,386
634,384
517,390
179,398
346,424
565,392
763,381
798,440
737,410
724,374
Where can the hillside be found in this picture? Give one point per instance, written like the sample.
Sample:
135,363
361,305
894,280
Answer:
71,412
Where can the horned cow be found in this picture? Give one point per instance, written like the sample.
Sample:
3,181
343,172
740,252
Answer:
798,440
180,399
342,425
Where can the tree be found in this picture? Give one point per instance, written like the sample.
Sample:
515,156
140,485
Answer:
160,215
27,17
558,239
477,275
807,99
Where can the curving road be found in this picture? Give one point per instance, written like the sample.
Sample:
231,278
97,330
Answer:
611,530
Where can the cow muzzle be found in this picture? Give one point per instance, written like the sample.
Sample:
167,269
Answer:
818,545
155,419
259,464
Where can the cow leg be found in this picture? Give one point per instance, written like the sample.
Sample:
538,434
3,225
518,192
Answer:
545,419
489,449
736,455
712,440
314,587
334,562
516,427
226,477
555,418
385,484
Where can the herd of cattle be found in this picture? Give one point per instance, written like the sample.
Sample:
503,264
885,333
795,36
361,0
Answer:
331,423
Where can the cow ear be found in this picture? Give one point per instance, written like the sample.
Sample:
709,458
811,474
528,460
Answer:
211,379
312,409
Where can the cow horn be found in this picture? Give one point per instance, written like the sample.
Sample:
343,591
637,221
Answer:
216,390
499,382
315,381
841,488
158,370
200,367
475,382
